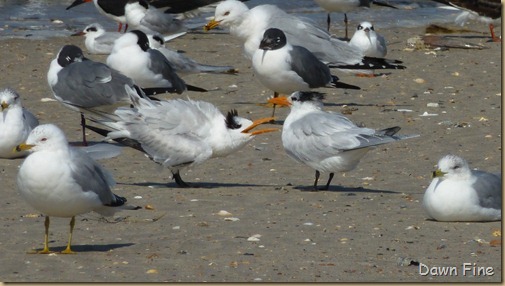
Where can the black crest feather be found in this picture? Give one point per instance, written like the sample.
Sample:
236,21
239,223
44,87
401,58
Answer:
230,120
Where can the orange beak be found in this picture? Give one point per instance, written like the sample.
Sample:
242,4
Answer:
259,122
211,25
81,33
280,100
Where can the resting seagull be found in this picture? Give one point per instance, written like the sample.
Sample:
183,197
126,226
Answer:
458,193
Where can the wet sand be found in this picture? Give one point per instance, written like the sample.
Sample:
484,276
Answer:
370,226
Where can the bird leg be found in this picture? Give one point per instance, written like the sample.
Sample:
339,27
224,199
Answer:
68,250
83,124
329,181
314,189
276,94
178,180
328,21
346,22
46,237
493,36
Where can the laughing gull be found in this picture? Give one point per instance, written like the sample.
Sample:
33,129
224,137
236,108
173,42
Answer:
285,69
87,86
141,16
458,193
62,181
149,68
327,141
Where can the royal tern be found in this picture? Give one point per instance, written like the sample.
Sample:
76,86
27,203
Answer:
87,86
63,181
370,42
97,40
325,141
181,133
486,11
148,19
183,64
15,123
250,24
149,68
458,193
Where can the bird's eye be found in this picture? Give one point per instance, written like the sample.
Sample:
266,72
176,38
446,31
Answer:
456,167
371,28
43,139
227,13
360,27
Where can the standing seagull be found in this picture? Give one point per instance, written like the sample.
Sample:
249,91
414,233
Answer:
487,11
133,57
367,40
458,193
63,181
285,69
182,133
87,86
15,123
346,6
325,141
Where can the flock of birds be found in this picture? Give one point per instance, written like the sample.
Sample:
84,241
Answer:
289,55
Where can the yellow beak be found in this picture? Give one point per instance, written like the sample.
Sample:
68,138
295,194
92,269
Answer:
211,25
23,147
259,122
4,105
280,100
438,173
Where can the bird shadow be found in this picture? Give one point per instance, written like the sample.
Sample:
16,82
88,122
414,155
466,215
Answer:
199,185
341,189
90,247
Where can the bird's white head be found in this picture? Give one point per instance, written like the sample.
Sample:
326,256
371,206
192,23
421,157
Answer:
452,166
365,26
44,137
227,14
8,98
300,98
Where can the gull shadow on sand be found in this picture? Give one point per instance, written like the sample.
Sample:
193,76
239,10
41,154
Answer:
91,247
199,185
341,189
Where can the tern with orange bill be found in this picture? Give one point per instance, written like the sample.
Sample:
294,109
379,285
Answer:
327,141
178,133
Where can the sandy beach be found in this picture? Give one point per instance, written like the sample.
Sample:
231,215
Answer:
368,227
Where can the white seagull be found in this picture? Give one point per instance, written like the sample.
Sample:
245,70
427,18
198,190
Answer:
458,193
63,181
250,24
369,41
15,123
181,133
325,141
149,68
183,64
140,15
97,40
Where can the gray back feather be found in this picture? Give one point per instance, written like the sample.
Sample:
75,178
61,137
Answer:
308,67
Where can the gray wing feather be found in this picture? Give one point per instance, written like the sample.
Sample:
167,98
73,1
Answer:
309,68
161,65
90,84
489,189
91,176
